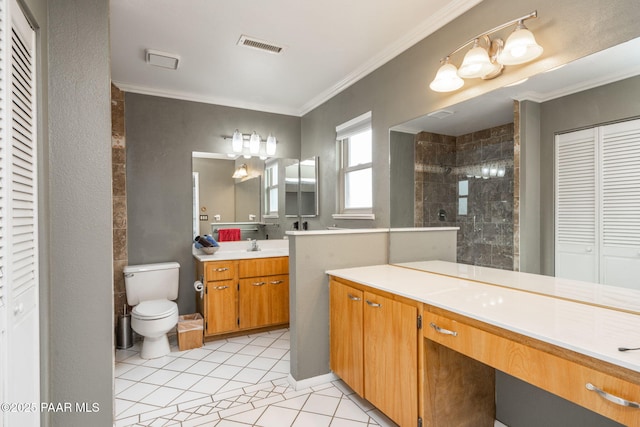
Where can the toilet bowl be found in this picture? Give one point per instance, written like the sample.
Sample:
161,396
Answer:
151,289
152,320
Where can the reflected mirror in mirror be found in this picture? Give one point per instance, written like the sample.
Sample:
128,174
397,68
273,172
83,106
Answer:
301,183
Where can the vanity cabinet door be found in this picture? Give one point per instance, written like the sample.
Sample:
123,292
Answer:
255,308
279,299
391,357
346,334
221,307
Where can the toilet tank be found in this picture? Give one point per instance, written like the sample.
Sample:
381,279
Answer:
151,281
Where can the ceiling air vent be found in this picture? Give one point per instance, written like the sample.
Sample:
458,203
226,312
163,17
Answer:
262,45
162,59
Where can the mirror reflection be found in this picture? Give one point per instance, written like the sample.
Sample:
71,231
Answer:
487,165
301,181
263,198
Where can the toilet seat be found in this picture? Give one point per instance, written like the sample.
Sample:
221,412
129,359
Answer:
154,309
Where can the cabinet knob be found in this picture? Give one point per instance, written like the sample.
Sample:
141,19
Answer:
373,304
221,269
276,282
220,288
259,283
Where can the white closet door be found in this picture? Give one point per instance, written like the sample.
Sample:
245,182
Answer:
620,247
576,244
18,119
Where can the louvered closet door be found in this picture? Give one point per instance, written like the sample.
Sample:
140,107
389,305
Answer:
19,114
620,247
576,206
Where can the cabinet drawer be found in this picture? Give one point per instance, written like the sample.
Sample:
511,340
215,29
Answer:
264,266
219,270
558,375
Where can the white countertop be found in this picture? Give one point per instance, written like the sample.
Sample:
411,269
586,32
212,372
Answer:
238,250
592,293
584,328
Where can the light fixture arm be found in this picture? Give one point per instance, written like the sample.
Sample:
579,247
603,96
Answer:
486,34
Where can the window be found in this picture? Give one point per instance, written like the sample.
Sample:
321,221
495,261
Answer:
356,167
271,189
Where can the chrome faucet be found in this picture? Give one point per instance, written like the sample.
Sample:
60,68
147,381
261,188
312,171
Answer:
253,245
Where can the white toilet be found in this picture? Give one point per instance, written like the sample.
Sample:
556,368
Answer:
151,289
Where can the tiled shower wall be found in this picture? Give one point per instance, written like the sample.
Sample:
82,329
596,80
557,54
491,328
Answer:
119,198
486,235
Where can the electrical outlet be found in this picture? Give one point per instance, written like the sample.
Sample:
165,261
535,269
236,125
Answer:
204,217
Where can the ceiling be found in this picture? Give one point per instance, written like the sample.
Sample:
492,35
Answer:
327,46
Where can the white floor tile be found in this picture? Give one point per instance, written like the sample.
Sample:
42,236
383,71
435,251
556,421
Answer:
225,371
264,341
163,396
340,422
282,366
137,373
294,403
247,417
179,364
122,405
202,368
274,353
228,423
319,404
239,360
121,384
231,347
233,385
263,363
218,356
160,377
273,376
306,419
251,350
159,362
136,409
190,396
275,416
250,375
208,385
349,410
183,381
137,392
196,353
281,343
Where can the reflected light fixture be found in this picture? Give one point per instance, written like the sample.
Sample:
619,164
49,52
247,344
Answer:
488,62
252,145
240,172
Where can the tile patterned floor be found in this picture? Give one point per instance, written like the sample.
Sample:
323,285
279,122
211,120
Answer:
237,382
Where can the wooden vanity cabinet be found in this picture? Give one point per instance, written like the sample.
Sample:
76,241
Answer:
244,294
375,348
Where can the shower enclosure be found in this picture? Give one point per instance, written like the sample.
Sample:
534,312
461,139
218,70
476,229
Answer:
467,181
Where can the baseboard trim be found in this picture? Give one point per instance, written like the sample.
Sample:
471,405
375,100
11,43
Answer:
312,382
499,424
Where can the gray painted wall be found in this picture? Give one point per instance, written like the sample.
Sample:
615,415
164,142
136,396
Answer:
604,104
409,246
78,288
401,177
310,257
161,135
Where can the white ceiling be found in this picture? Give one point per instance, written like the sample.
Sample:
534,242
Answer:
328,45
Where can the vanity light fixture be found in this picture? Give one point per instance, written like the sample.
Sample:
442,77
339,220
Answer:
240,172
252,145
488,62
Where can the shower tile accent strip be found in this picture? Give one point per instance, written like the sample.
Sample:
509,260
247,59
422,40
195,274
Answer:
239,381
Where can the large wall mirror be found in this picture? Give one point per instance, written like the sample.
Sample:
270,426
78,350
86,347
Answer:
267,197
460,166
